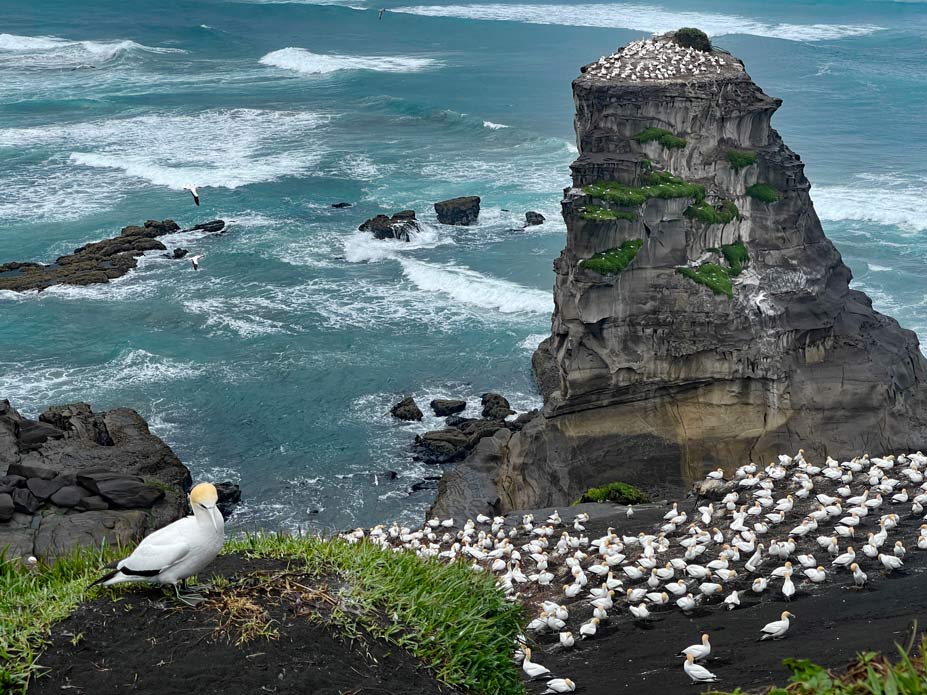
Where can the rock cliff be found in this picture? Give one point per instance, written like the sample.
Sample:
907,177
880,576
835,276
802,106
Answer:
702,318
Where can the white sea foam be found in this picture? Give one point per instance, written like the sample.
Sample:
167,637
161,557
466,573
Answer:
308,63
470,287
879,199
54,52
649,18
240,315
494,126
361,247
877,268
531,343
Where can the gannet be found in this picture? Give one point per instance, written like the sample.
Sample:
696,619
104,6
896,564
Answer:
698,674
559,685
195,260
859,577
196,196
567,640
698,651
532,669
777,628
177,551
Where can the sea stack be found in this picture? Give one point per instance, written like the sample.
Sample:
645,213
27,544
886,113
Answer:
702,318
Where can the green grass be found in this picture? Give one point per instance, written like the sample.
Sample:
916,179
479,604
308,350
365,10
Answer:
710,214
869,674
664,137
613,261
600,214
741,159
656,184
713,276
763,192
736,256
452,619
620,493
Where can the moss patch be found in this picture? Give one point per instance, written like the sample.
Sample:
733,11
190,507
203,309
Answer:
620,493
740,159
664,137
613,261
736,256
690,37
600,214
656,184
763,192
712,275
712,214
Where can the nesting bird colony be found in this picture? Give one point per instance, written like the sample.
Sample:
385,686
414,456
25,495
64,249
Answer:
659,59
788,528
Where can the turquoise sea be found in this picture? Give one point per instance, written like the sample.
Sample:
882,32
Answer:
275,365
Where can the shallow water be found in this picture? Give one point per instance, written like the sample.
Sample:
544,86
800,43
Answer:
276,364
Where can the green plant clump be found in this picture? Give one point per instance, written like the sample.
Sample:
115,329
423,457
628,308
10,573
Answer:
869,674
664,137
620,493
713,276
600,214
736,256
690,37
709,214
740,159
763,192
656,184
613,261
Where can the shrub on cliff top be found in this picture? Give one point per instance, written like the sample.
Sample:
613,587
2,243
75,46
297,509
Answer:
664,137
740,159
600,214
736,256
709,214
763,192
613,261
690,37
619,493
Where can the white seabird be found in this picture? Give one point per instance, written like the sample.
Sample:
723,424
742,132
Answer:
777,628
196,196
560,685
195,260
177,551
698,651
698,674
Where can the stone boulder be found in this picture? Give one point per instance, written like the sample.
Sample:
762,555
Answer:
495,406
341,205
533,218
459,211
407,409
212,226
443,408
179,253
229,496
400,226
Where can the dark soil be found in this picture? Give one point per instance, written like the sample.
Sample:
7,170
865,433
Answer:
143,641
834,623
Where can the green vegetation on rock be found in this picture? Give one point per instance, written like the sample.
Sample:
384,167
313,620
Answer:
620,493
600,214
711,214
613,261
656,184
664,137
763,192
740,159
713,276
736,256
690,37
869,674
426,602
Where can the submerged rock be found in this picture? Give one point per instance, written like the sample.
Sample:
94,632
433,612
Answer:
534,218
756,344
400,226
178,253
459,211
406,409
341,205
443,408
212,226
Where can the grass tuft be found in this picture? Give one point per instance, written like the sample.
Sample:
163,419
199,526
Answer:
664,137
620,493
763,192
613,261
712,214
712,275
656,184
741,159
600,214
736,256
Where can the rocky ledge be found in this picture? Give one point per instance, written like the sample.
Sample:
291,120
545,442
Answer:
459,211
98,262
702,318
78,478
400,226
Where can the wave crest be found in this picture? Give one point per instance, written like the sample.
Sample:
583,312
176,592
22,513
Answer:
309,63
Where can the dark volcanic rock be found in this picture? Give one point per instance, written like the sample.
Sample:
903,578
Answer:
533,218
43,489
641,390
21,470
400,226
6,506
229,496
406,409
443,407
25,501
127,493
341,205
211,226
69,496
178,253
442,446
459,211
495,407
60,533
100,261
93,503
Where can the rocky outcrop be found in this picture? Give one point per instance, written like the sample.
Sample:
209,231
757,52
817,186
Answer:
459,211
702,318
400,226
98,262
443,407
74,477
407,409
533,219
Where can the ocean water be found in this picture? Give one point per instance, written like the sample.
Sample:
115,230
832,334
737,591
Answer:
276,364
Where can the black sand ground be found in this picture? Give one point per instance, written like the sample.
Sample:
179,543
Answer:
142,643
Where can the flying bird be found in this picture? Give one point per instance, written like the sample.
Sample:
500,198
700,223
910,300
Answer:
195,261
193,192
177,551
381,13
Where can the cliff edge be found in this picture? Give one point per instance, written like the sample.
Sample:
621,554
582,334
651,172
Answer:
702,318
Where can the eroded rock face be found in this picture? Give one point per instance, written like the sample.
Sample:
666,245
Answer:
649,374
459,211
400,226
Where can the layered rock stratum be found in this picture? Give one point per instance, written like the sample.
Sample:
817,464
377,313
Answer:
702,318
